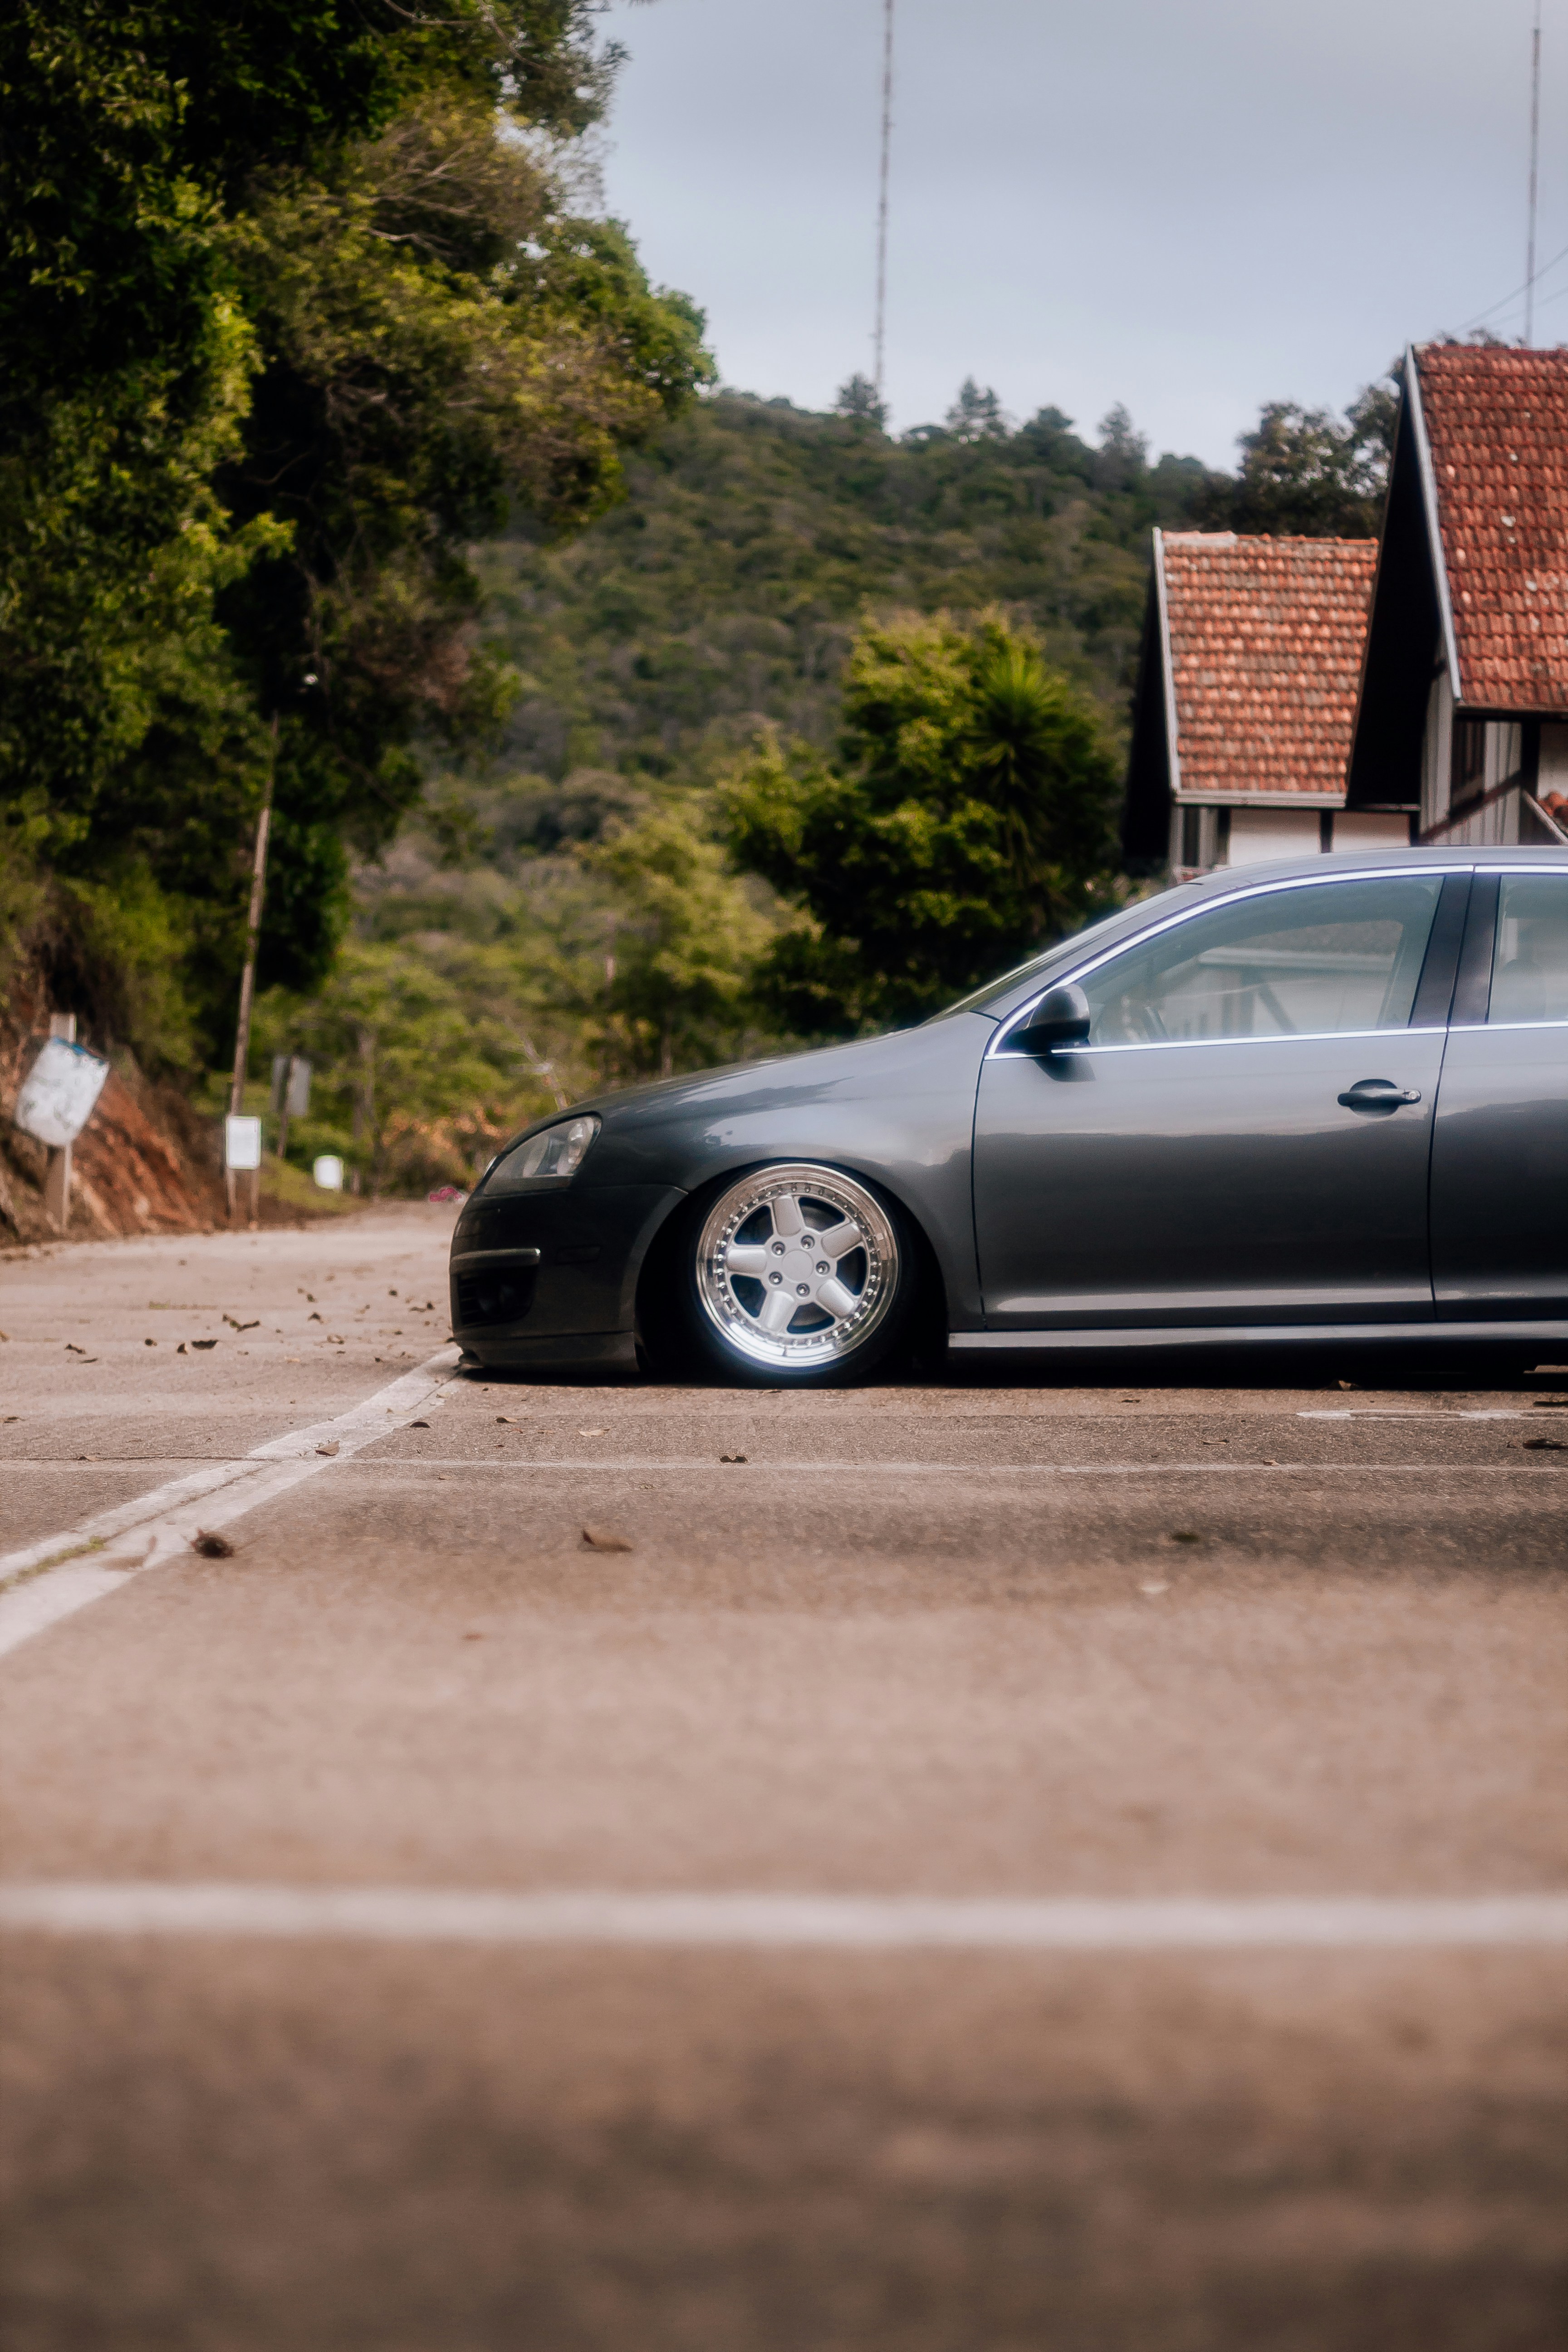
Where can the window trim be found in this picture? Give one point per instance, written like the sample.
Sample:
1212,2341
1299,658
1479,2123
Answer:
1069,976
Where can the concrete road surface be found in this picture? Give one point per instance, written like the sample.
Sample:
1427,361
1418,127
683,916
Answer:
1038,1868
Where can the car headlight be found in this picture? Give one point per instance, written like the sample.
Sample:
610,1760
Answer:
556,1151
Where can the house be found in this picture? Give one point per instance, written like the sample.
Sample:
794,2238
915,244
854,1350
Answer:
1463,709
1244,704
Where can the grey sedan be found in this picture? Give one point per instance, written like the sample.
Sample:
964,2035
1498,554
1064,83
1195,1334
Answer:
1295,1102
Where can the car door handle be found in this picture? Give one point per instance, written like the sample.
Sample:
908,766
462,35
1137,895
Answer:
1377,1094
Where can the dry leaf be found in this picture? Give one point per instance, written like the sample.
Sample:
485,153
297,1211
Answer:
181,1349
731,1457
10,1416
605,1539
204,1343
149,1343
212,1547
72,1350
419,1424
328,1446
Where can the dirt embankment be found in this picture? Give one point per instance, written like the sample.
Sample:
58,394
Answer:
145,1163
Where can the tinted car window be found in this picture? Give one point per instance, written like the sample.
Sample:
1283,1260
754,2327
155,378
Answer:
1529,963
1328,957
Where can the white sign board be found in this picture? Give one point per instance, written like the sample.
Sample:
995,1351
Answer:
241,1143
59,1093
328,1171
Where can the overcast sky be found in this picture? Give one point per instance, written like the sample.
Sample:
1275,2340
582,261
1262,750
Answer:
1190,206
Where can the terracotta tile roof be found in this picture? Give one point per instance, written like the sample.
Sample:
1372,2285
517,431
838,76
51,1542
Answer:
1497,421
1265,646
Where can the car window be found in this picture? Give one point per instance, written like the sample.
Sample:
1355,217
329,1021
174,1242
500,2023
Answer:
992,997
1530,962
1327,957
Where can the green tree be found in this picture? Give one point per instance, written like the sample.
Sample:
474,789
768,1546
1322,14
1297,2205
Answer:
1306,473
295,309
966,819
681,938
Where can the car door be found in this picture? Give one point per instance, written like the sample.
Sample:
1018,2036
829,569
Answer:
1244,1137
1499,1152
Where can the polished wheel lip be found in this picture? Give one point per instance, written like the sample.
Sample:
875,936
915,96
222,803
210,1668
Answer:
736,1322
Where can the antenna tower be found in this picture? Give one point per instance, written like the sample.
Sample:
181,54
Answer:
880,339
1534,175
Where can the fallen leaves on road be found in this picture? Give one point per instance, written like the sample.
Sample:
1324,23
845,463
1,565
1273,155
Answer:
10,1416
204,1343
242,1327
72,1350
419,1424
731,1457
315,1318
149,1343
605,1539
212,1547
328,1446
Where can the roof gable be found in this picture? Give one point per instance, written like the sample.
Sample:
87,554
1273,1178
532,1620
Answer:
1496,430
1263,644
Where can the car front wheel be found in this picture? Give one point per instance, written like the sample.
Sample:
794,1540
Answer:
794,1273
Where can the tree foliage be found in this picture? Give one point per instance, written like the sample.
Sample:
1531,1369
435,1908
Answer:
296,303
966,819
1306,473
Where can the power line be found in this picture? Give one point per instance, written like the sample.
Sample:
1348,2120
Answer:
1503,300
882,192
1534,176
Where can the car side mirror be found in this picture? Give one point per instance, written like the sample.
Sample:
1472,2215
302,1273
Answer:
1060,1019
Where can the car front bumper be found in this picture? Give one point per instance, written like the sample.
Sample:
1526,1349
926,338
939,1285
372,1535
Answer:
548,1278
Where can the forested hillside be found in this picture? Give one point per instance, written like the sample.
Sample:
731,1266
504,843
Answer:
726,587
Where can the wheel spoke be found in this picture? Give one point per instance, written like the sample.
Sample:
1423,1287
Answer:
787,1218
838,1301
777,1308
745,1257
840,1239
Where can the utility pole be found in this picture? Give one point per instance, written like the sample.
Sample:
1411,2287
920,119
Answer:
1534,176
247,977
882,194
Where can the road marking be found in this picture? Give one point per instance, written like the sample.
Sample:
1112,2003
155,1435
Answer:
683,1465
50,1580
772,1922
1403,1413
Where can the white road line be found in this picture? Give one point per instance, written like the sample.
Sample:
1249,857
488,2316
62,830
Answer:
683,1465
1407,1412
774,1922
60,1574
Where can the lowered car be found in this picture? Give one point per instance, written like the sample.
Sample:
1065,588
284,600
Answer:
1294,1102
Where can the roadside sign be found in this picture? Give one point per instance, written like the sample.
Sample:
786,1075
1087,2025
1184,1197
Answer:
328,1171
59,1093
241,1143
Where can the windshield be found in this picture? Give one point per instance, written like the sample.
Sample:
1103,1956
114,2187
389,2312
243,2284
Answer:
1093,936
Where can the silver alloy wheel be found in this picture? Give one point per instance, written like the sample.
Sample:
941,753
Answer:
796,1265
